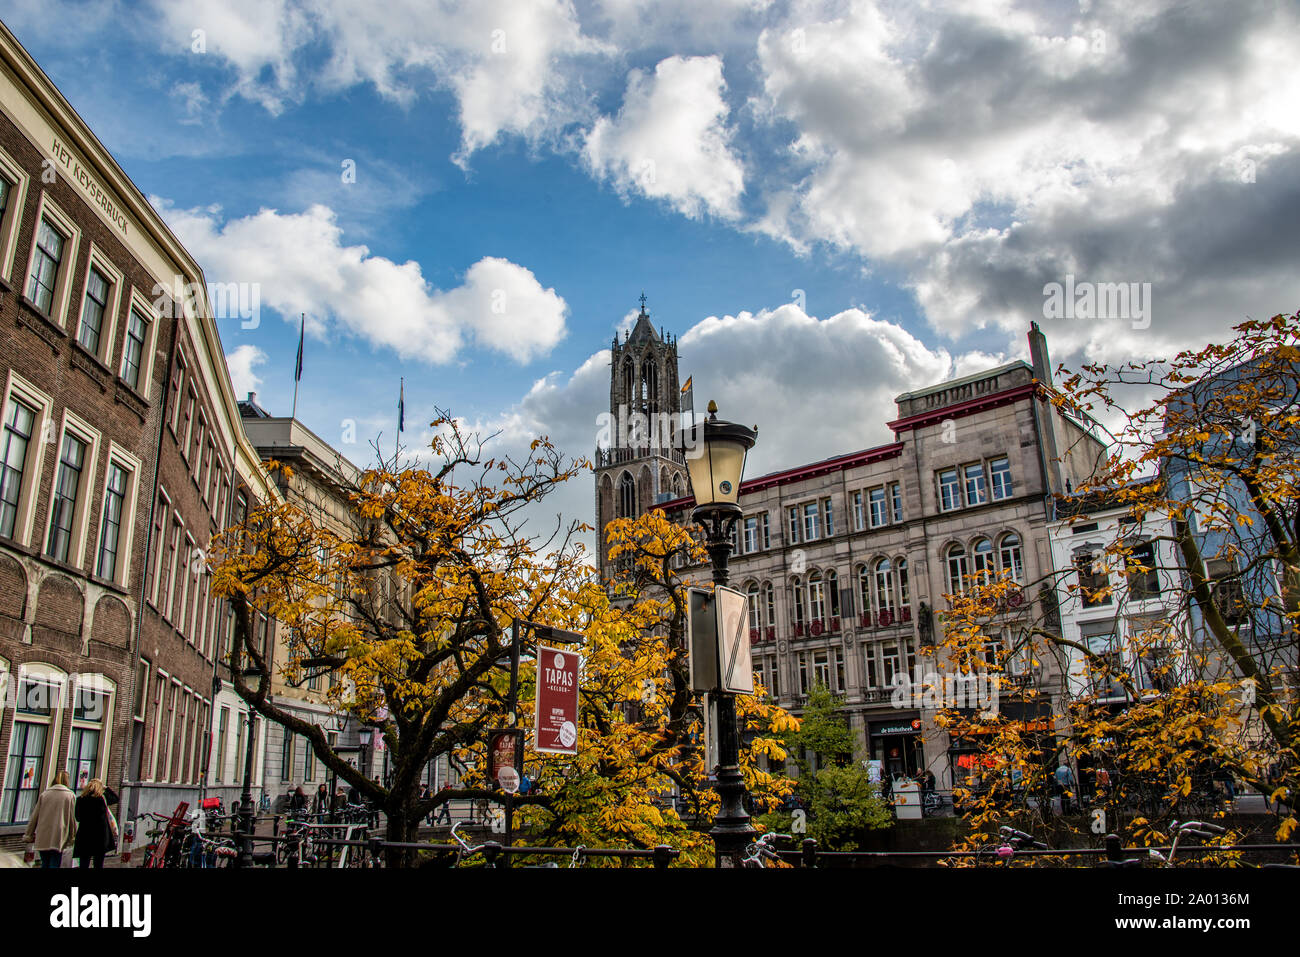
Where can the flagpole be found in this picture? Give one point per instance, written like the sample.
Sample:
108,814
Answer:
401,415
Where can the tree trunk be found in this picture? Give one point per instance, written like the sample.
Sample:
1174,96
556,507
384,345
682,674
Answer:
401,828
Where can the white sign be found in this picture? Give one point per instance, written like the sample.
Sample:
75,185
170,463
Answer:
508,778
737,671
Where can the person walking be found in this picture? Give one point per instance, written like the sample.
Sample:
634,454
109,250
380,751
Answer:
96,826
53,823
321,805
1065,782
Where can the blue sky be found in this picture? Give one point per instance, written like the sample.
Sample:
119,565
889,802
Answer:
918,172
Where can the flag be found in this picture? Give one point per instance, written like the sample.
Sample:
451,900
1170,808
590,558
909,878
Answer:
302,328
401,407
688,396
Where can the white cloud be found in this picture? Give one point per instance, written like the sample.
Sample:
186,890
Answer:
507,63
984,149
241,363
670,139
301,264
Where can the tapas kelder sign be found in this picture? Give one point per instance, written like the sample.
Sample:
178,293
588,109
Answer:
557,700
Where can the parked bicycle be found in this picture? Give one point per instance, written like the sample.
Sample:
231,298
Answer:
760,850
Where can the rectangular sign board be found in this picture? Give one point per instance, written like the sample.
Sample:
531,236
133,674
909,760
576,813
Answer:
702,635
557,700
737,665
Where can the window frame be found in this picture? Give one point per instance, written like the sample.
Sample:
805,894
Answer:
79,533
61,294
19,389
15,206
148,348
108,327
126,531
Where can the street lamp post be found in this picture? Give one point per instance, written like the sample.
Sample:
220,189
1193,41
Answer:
247,821
715,461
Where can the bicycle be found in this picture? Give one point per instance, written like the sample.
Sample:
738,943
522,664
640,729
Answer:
1011,841
298,847
466,850
760,850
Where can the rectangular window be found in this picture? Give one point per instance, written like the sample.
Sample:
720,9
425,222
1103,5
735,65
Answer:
45,266
219,754
137,333
92,310
172,559
1143,578
949,490
1000,475
196,448
141,688
974,479
176,390
161,510
858,514
794,525
878,515
751,534
19,425
1094,582
810,522
155,726
896,497
26,771
67,487
187,425
110,530
767,532
286,755
829,512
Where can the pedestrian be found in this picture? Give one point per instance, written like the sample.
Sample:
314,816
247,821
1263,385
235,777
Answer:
53,823
444,809
322,801
298,801
96,825
1065,783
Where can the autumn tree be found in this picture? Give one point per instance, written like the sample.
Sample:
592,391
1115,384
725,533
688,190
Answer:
408,619
1201,473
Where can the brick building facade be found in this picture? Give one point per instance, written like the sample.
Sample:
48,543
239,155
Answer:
120,456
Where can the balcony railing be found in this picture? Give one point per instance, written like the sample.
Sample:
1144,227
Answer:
620,454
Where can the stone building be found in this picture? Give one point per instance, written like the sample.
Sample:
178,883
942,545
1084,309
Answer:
121,454
846,561
321,477
636,464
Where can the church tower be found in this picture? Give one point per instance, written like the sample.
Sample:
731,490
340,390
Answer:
637,467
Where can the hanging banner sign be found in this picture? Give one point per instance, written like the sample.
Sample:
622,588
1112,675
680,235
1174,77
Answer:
505,757
557,700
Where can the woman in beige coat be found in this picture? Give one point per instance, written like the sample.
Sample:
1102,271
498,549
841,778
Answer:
53,824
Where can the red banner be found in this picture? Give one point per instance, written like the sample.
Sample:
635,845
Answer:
557,700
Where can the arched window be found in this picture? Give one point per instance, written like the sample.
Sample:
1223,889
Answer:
1013,562
649,385
982,561
751,598
864,594
833,586
957,571
33,739
769,602
92,707
626,496
796,601
816,597
885,590
904,594
629,383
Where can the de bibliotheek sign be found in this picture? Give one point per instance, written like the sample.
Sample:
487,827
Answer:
557,700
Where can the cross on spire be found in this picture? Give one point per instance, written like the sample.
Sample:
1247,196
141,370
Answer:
643,312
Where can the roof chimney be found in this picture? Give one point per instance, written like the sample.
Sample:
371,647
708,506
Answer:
1038,357
252,398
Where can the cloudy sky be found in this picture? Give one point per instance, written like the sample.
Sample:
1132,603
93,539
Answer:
828,202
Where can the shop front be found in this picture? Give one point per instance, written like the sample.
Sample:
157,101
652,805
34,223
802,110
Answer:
897,745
